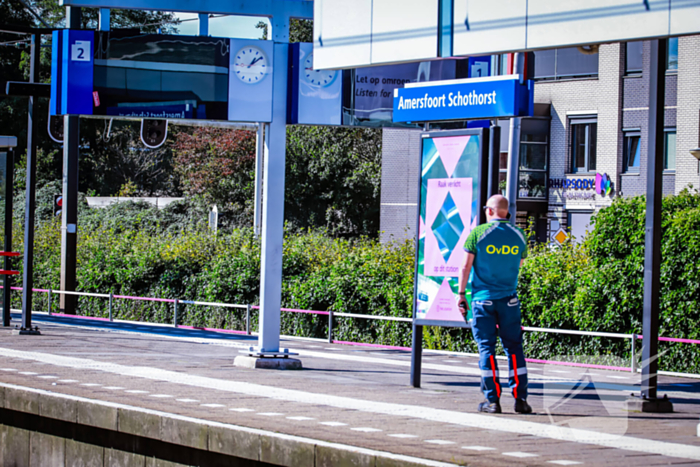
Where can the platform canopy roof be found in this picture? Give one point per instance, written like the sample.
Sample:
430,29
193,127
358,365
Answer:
286,8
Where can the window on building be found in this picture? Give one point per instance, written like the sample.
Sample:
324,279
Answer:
672,54
632,151
583,145
502,173
670,149
532,174
633,57
568,62
545,64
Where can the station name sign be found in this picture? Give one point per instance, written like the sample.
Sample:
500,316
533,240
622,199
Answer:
465,99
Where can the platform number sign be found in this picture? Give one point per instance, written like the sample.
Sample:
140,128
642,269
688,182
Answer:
80,51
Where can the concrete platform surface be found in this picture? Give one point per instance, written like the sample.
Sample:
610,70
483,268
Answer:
357,396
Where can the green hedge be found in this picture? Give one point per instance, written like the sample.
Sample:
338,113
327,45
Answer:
599,285
595,286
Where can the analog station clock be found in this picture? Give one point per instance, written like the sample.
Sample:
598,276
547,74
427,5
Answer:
317,77
250,64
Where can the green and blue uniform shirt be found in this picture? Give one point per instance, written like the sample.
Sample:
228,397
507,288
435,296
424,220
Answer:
498,248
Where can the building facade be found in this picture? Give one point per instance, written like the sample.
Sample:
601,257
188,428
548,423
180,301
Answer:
590,127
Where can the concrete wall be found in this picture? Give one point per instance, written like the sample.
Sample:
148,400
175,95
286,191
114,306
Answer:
19,447
48,429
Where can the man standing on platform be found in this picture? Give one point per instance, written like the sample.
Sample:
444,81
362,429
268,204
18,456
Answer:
494,253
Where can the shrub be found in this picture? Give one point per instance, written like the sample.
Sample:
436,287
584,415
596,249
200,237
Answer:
133,249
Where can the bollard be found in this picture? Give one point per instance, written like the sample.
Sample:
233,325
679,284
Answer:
49,302
633,367
330,327
177,301
247,319
110,306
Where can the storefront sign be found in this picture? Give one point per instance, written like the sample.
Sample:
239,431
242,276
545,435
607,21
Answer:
468,99
572,183
601,184
572,195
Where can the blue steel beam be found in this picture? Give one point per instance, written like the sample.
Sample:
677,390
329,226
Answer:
288,8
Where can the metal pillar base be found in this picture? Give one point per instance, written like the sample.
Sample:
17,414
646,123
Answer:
256,352
638,403
26,331
246,361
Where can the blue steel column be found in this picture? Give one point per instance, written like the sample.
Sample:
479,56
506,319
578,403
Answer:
273,195
103,23
445,27
203,24
260,143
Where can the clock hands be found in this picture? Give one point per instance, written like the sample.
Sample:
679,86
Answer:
254,61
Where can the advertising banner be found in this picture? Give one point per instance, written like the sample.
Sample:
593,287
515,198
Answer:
467,99
451,193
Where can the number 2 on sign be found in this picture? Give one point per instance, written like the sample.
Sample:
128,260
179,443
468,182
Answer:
79,51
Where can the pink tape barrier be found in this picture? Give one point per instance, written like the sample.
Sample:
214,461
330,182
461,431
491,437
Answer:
378,346
676,339
94,318
317,312
229,331
145,299
296,310
584,365
363,344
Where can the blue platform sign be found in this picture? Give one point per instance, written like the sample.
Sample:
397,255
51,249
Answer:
72,72
465,99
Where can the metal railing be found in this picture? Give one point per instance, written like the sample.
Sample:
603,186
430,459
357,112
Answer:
332,314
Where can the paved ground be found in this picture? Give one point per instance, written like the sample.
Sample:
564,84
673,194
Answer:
360,396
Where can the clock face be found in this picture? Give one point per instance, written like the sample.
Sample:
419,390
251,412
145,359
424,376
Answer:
317,77
250,65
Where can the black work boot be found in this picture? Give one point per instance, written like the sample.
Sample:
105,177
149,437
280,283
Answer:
489,407
521,406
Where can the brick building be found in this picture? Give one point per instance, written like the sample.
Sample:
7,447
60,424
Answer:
591,119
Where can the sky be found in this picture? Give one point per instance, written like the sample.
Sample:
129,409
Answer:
242,27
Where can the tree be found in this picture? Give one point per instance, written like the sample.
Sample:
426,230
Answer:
333,179
13,110
218,165
300,30
148,22
113,156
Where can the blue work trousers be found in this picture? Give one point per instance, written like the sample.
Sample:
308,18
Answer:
504,312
